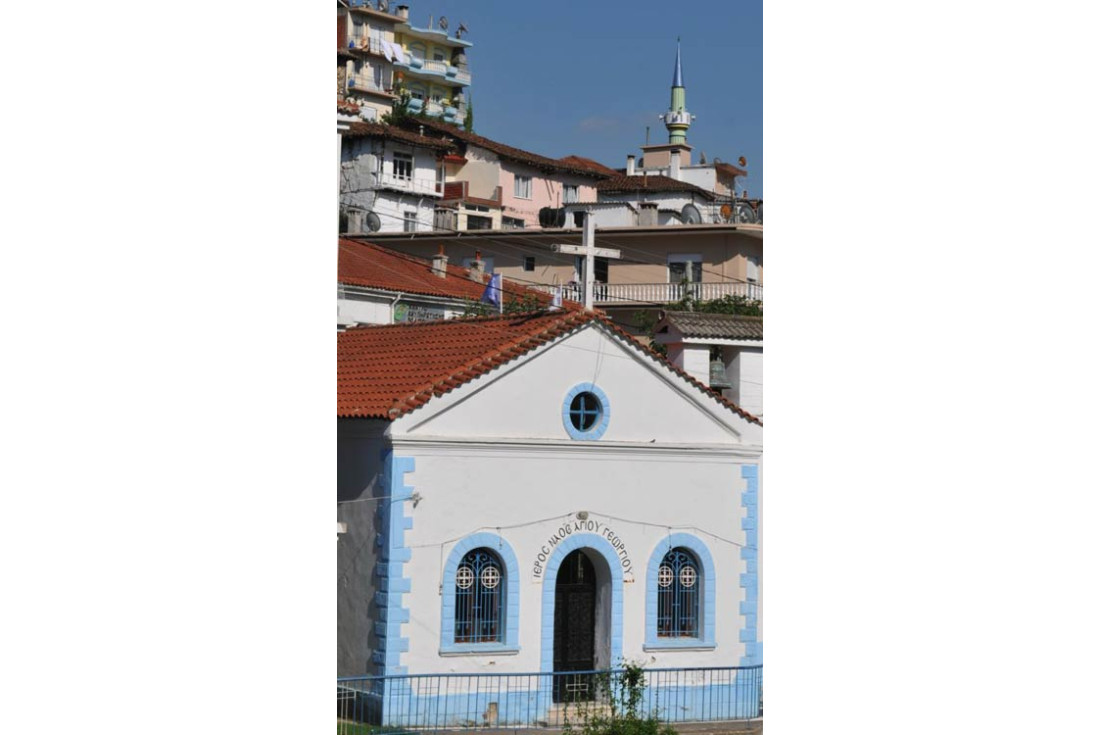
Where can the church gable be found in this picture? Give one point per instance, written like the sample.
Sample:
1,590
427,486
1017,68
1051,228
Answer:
591,385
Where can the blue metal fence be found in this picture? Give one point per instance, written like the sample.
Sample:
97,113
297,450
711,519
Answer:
459,701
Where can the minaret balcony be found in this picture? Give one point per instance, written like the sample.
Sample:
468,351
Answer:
681,117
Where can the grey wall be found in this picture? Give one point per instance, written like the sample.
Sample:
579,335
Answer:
358,461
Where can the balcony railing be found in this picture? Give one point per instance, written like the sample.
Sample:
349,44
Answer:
365,83
418,186
612,294
459,701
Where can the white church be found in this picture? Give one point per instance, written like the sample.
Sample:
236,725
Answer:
525,496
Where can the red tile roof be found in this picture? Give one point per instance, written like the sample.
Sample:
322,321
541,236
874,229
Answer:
582,162
384,372
504,151
380,130
729,169
372,266
635,184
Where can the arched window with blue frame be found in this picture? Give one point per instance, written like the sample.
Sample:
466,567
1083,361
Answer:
479,613
480,597
678,584
680,595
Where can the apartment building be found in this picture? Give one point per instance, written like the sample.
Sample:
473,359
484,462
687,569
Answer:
381,56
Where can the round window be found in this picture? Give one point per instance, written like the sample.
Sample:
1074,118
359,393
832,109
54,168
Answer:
584,411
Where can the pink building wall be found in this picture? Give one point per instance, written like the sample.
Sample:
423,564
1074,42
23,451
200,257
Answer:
546,191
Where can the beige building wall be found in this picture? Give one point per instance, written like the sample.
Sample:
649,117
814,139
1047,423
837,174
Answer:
725,254
481,170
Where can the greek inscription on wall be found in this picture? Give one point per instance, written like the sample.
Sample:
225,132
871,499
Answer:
567,529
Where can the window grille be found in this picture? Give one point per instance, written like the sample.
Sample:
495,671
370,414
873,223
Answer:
678,595
479,587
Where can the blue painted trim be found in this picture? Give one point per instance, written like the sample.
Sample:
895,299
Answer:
600,427
750,580
702,553
603,547
497,544
393,584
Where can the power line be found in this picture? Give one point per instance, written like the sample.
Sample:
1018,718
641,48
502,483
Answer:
541,248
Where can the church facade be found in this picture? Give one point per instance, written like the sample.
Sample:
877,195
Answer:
539,494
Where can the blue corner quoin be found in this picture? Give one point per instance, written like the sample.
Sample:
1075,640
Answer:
754,649
600,426
392,583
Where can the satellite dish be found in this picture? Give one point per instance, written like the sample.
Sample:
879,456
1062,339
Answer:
374,224
744,215
690,215
726,211
384,5
461,29
443,22
742,161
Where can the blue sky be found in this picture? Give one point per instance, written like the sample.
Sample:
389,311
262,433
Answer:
586,78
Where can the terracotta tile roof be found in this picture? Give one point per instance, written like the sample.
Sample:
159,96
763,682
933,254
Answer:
635,184
372,266
504,151
582,162
381,130
729,169
384,372
721,326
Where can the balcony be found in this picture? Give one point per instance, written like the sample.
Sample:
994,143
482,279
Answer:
439,70
404,183
365,83
621,294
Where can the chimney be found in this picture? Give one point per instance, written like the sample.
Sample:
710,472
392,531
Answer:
674,164
439,263
403,12
630,165
647,214
477,268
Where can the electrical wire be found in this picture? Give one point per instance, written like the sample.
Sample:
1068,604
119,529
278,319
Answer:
525,524
540,248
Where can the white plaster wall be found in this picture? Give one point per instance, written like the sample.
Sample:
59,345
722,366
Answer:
640,496
361,161
620,216
747,375
363,310
390,206
704,178
528,402
692,359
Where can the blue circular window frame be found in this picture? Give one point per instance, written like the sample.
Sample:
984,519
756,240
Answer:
600,426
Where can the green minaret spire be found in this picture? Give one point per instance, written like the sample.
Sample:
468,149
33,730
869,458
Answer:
677,119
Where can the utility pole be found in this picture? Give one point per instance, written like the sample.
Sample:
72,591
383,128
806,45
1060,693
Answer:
590,251
589,243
